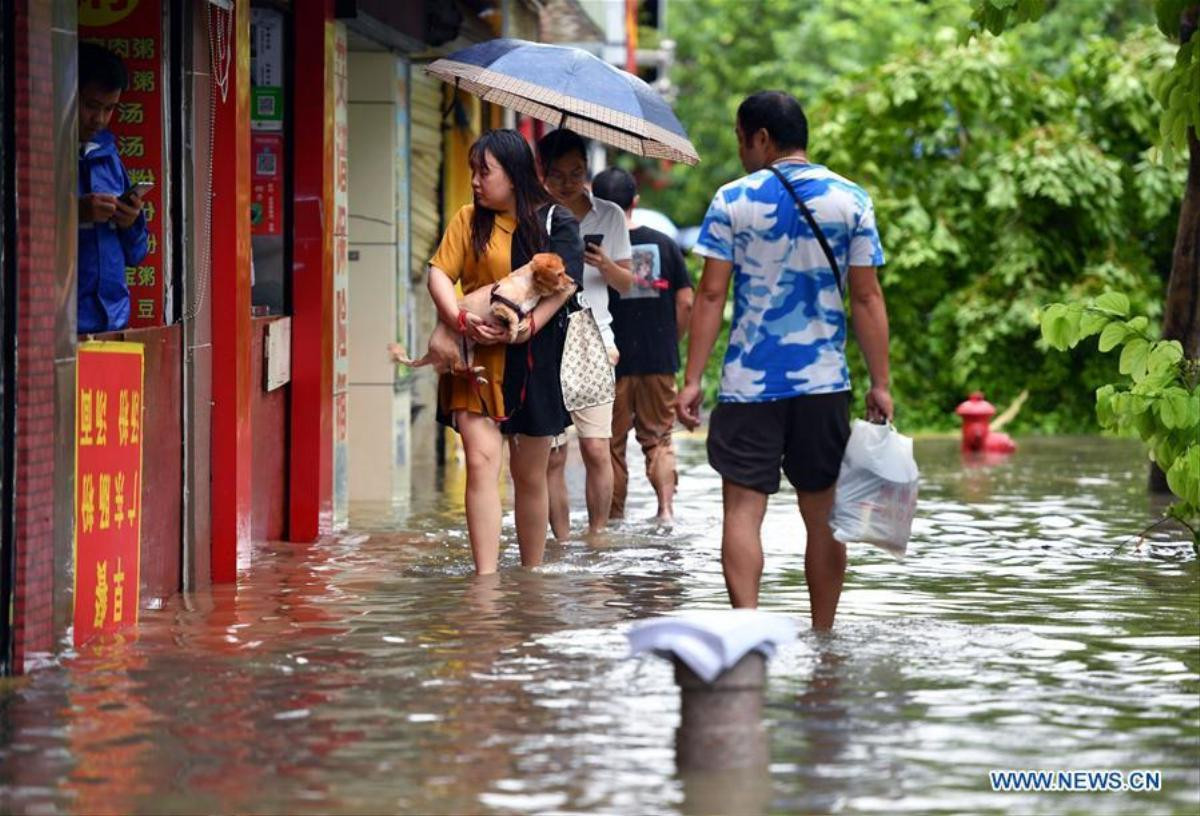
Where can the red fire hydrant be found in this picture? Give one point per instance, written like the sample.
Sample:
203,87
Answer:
977,434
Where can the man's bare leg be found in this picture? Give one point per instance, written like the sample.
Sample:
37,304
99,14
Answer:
824,558
660,470
741,543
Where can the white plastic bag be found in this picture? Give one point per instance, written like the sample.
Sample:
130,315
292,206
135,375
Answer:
876,488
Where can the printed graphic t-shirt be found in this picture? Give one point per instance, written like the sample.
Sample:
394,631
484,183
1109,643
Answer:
644,318
788,335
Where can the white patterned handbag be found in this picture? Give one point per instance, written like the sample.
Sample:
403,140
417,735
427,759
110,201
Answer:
587,375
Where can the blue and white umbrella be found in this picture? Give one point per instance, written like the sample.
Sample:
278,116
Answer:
568,87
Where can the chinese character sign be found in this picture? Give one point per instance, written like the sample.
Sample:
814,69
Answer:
108,485
132,29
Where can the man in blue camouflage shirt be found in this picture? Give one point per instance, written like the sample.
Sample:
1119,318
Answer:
785,390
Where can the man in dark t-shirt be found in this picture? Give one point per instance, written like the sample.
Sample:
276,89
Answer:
648,323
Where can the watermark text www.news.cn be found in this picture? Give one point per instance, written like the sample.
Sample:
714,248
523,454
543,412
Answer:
1065,781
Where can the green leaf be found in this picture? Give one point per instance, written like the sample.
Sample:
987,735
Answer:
1164,355
1072,319
1183,477
1113,335
1092,322
1134,357
1056,327
1104,405
1146,423
1173,408
1164,452
1113,303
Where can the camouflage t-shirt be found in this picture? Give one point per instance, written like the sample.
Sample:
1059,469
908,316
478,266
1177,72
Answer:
788,335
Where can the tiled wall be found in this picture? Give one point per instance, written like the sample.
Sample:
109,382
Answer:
378,416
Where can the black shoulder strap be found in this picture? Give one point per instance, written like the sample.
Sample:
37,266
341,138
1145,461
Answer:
813,225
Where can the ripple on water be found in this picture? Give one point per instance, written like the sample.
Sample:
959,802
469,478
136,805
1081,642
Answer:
373,672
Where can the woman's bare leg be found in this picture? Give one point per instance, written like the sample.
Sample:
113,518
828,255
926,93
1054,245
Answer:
481,443
528,457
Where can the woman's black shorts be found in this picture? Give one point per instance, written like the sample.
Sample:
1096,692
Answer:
748,442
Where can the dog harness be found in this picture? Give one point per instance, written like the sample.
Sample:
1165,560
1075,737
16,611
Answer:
499,298
521,315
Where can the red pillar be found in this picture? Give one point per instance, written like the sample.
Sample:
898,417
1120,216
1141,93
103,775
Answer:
310,480
230,294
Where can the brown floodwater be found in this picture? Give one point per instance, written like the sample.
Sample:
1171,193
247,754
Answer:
1029,628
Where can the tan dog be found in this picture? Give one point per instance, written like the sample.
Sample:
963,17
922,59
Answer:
505,305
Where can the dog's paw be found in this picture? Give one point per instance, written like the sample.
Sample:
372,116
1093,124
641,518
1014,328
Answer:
398,354
519,329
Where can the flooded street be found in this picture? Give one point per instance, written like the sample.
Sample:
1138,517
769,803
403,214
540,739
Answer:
374,673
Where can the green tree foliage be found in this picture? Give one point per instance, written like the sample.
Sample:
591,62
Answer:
1005,173
728,49
1158,399
1177,86
997,188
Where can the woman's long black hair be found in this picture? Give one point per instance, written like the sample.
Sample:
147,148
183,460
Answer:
512,153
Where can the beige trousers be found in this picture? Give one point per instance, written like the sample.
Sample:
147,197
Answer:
645,403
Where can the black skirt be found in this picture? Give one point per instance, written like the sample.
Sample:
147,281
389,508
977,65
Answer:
532,388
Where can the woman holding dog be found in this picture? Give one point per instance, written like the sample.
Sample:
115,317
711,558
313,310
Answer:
522,398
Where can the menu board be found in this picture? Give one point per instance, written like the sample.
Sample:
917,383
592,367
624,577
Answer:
133,30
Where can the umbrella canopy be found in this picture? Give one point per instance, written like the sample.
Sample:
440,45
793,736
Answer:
569,87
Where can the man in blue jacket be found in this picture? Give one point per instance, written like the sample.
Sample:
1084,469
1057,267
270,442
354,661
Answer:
112,227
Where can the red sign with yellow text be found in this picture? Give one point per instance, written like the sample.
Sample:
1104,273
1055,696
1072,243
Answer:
132,29
108,487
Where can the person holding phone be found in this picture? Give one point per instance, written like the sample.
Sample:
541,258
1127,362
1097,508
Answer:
607,262
112,226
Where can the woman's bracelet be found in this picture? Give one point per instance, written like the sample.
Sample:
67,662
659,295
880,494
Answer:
462,321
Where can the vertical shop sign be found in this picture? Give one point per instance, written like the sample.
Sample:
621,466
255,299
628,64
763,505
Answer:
133,30
268,159
108,487
266,69
266,188
341,280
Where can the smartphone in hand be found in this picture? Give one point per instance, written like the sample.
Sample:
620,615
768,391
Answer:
596,238
140,189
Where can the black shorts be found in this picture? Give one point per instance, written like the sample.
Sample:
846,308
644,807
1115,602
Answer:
749,441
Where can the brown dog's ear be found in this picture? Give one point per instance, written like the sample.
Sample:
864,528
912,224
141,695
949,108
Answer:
548,271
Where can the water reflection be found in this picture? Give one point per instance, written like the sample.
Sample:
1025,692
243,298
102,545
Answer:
376,673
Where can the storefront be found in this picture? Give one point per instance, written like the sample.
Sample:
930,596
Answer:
250,396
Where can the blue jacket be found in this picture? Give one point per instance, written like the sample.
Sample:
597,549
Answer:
105,250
